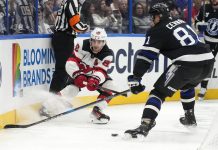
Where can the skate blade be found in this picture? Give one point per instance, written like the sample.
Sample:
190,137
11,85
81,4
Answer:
191,127
200,99
127,136
141,138
102,121
138,137
44,114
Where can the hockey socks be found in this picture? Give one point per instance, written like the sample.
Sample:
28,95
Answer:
152,107
188,102
188,98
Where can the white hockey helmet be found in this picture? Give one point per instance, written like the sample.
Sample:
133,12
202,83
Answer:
99,34
98,39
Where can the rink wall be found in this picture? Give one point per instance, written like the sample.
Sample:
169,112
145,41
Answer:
27,64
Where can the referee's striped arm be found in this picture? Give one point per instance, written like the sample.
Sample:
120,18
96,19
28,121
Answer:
69,16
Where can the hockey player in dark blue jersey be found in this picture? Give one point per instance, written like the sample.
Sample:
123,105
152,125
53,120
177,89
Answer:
207,22
192,61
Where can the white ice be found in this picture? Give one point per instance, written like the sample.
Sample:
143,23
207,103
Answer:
75,132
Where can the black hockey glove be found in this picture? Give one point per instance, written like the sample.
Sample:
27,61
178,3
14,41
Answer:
135,84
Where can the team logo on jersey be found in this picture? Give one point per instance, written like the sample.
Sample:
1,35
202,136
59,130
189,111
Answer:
0,74
212,27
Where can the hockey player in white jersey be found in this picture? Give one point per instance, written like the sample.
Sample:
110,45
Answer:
87,67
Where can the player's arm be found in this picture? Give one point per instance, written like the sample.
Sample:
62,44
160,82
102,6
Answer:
199,17
74,16
143,62
200,23
146,56
73,66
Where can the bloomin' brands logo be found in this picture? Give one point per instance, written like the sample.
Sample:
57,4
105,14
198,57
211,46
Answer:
16,73
32,66
0,74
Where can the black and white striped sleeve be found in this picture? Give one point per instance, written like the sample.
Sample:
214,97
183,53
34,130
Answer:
73,15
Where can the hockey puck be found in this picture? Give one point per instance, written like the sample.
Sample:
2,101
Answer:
114,134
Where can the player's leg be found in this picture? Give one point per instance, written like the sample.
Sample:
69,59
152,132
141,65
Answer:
187,94
97,115
57,103
203,89
188,103
204,83
150,112
166,85
174,78
62,46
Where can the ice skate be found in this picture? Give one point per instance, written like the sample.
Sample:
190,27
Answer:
97,117
44,112
54,106
142,131
189,118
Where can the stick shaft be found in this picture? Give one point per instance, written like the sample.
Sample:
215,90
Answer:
66,112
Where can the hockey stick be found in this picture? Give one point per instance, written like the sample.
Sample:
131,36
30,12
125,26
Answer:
203,19
106,89
64,113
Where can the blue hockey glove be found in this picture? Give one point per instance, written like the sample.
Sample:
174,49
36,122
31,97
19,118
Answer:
201,26
135,84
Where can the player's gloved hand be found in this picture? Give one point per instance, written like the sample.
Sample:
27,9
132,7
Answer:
93,83
79,79
135,84
201,26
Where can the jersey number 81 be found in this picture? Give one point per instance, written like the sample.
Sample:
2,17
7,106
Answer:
186,36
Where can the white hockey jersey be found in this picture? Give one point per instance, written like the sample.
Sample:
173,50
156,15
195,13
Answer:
91,64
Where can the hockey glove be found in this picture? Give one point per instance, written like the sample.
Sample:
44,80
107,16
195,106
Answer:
93,82
201,26
79,78
135,84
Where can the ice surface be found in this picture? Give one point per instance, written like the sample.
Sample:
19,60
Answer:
75,132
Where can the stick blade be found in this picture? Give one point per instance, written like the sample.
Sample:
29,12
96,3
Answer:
9,126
